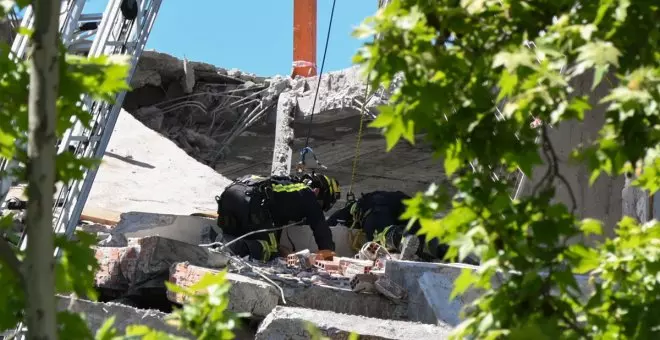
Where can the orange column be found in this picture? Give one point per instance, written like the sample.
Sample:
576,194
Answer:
304,38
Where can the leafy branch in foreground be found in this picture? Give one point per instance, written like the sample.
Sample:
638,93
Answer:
458,59
101,78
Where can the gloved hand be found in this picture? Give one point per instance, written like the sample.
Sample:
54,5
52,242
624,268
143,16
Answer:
325,255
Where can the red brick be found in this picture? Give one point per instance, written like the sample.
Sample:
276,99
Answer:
328,266
116,265
185,275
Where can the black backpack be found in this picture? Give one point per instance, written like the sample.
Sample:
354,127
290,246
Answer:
255,192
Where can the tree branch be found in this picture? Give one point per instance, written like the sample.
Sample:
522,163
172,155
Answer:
555,167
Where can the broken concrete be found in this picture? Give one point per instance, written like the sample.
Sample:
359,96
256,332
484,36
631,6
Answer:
408,274
290,323
96,313
321,297
246,295
429,286
439,309
284,134
146,259
143,171
188,229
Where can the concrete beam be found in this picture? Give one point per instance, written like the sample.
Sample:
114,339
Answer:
345,301
408,273
96,313
282,152
290,323
429,286
245,295
259,297
188,229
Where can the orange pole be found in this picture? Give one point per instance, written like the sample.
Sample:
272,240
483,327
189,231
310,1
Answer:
304,38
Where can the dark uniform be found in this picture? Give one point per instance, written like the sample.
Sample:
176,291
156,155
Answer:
379,212
254,203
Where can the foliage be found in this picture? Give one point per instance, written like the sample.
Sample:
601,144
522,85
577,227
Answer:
457,60
205,314
101,78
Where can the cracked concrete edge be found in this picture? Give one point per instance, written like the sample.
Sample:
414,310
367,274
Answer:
96,313
290,323
246,295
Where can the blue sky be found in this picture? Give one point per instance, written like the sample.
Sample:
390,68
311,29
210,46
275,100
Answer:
255,36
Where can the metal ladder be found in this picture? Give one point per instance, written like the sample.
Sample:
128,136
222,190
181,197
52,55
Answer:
115,35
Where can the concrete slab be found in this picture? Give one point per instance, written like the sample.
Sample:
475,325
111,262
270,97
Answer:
436,290
96,313
290,323
408,273
429,286
144,171
188,229
259,297
144,259
158,254
343,300
245,295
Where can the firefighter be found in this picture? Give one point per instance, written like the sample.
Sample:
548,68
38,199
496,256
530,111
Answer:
254,203
378,215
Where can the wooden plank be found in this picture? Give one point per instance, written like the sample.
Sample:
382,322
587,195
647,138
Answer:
101,216
209,214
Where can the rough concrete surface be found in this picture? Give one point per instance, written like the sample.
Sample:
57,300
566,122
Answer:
436,290
144,171
245,295
408,273
97,313
282,154
259,297
342,300
188,229
290,323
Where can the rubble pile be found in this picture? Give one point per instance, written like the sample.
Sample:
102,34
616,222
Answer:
371,286
203,108
177,143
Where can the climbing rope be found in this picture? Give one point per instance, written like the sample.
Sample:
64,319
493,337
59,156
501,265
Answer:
350,196
316,95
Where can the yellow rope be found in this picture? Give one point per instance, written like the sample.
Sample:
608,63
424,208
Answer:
359,138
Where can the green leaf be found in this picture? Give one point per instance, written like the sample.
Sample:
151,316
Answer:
385,117
452,158
463,282
72,326
508,82
591,226
107,330
588,258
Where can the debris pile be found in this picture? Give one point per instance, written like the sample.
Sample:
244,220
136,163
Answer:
204,109
148,250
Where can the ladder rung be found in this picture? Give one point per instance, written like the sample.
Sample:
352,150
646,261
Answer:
84,139
119,43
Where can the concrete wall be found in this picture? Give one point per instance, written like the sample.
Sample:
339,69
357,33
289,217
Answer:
603,200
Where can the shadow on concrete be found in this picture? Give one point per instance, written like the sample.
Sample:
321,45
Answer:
129,160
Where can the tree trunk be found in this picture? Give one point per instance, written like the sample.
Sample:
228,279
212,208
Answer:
44,81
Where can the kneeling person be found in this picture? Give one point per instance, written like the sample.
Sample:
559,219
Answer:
378,213
254,203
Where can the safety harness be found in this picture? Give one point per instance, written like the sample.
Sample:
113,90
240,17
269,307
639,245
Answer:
257,192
